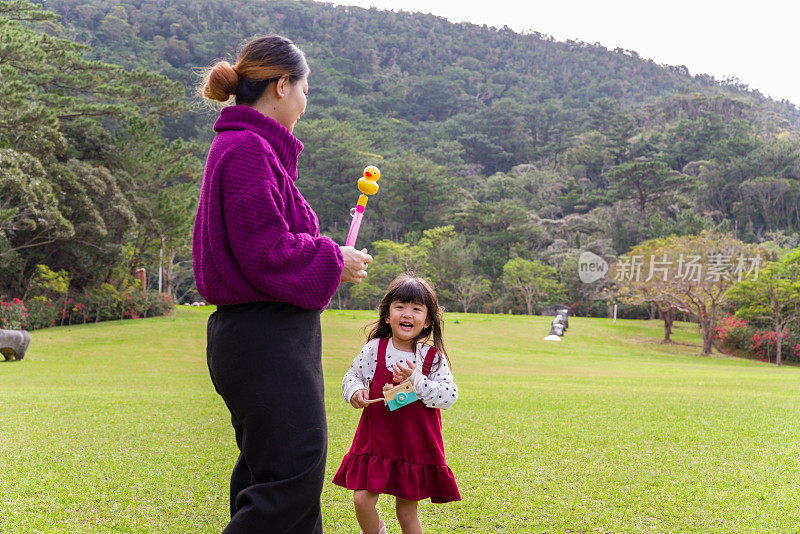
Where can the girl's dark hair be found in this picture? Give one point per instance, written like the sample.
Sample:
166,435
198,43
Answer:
410,288
259,62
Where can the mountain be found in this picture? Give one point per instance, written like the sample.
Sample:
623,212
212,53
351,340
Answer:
409,66
524,145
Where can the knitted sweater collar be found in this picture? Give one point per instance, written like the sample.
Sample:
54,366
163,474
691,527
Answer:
286,145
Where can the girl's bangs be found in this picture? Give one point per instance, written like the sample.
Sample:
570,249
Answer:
409,291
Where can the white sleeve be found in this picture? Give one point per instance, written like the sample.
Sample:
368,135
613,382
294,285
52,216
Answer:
437,390
361,372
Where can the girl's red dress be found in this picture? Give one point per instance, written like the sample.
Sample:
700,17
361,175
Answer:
399,453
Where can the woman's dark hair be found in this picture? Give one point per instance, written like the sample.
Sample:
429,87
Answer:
259,62
410,288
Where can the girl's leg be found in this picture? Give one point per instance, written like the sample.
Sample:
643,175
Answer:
367,515
407,516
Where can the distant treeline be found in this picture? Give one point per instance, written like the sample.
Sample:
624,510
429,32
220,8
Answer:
528,147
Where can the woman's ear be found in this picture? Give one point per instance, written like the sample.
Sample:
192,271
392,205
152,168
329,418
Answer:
282,85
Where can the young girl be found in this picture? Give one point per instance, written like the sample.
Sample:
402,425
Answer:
400,452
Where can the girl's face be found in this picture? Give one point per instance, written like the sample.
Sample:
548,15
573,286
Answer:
407,319
292,101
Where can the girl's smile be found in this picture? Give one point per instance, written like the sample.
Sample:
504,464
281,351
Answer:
407,319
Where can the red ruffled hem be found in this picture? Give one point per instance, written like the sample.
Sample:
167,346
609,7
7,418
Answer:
413,482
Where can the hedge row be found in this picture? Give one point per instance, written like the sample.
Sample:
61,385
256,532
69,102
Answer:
103,304
737,334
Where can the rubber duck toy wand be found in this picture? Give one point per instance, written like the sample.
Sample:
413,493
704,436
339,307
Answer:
367,184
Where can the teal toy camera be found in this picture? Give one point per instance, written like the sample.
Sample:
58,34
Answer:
400,395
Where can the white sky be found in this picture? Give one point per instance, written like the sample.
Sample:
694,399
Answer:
757,41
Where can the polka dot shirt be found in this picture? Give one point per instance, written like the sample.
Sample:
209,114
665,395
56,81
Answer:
437,390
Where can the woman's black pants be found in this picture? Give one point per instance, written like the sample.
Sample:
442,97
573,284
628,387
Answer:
265,362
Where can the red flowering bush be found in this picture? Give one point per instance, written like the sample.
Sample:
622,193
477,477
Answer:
138,304
791,346
106,303
43,313
764,344
733,333
13,315
102,304
78,313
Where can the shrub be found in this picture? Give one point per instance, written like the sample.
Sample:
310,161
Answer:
764,344
103,303
100,304
633,311
596,308
43,313
733,333
138,304
78,313
160,303
13,315
791,347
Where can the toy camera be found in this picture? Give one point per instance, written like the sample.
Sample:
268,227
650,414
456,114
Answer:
400,395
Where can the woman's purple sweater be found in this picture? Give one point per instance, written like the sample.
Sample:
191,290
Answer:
255,236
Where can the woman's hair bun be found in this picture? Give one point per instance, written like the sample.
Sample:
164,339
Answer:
259,62
220,83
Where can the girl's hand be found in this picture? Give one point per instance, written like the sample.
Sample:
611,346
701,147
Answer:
359,399
355,264
401,373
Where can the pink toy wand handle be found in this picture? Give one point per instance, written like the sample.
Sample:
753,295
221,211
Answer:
355,226
367,186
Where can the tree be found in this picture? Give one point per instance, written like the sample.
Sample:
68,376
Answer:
634,290
531,280
581,294
709,137
495,137
774,296
645,181
159,178
51,82
29,211
589,156
333,158
59,203
90,197
771,203
606,116
415,196
391,259
434,98
497,228
49,283
172,221
468,289
691,273
452,267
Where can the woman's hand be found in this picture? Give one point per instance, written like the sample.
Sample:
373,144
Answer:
359,399
401,373
355,264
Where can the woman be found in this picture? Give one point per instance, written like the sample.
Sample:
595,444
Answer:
259,257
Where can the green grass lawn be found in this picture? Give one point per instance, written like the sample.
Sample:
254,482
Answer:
115,427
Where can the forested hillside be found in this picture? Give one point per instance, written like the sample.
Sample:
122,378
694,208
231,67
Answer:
88,185
494,146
